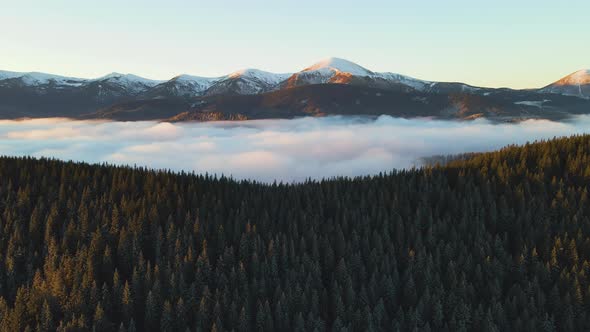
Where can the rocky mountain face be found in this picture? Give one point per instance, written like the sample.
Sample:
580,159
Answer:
345,99
253,93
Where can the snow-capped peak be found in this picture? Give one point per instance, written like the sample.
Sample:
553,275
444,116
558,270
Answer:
109,76
4,74
576,84
259,75
248,72
36,78
340,65
129,78
580,77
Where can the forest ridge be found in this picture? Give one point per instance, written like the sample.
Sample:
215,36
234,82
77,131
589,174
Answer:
496,242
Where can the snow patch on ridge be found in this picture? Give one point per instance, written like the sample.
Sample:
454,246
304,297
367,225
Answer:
415,83
36,78
129,78
260,75
191,78
533,103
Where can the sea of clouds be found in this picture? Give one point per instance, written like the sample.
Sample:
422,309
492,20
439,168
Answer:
267,150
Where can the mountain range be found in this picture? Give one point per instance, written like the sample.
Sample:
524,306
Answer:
328,87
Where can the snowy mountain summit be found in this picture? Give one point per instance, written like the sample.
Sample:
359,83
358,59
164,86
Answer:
576,84
581,77
339,65
259,75
38,79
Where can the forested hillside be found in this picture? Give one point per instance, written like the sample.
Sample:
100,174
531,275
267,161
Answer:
496,242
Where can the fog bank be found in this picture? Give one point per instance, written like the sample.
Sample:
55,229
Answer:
267,150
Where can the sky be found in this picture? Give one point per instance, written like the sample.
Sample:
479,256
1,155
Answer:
502,43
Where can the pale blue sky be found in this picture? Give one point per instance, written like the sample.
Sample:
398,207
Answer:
513,43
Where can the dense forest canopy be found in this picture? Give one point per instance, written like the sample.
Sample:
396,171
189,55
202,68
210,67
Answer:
495,242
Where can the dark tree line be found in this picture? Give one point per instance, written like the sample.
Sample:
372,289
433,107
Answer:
496,242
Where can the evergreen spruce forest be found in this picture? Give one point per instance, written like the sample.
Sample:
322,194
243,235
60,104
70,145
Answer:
495,242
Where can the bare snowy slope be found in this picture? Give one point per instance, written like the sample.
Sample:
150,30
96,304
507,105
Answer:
38,79
247,82
576,84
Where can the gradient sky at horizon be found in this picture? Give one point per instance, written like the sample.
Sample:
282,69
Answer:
519,44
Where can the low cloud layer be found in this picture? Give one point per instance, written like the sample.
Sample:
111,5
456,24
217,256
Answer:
285,150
